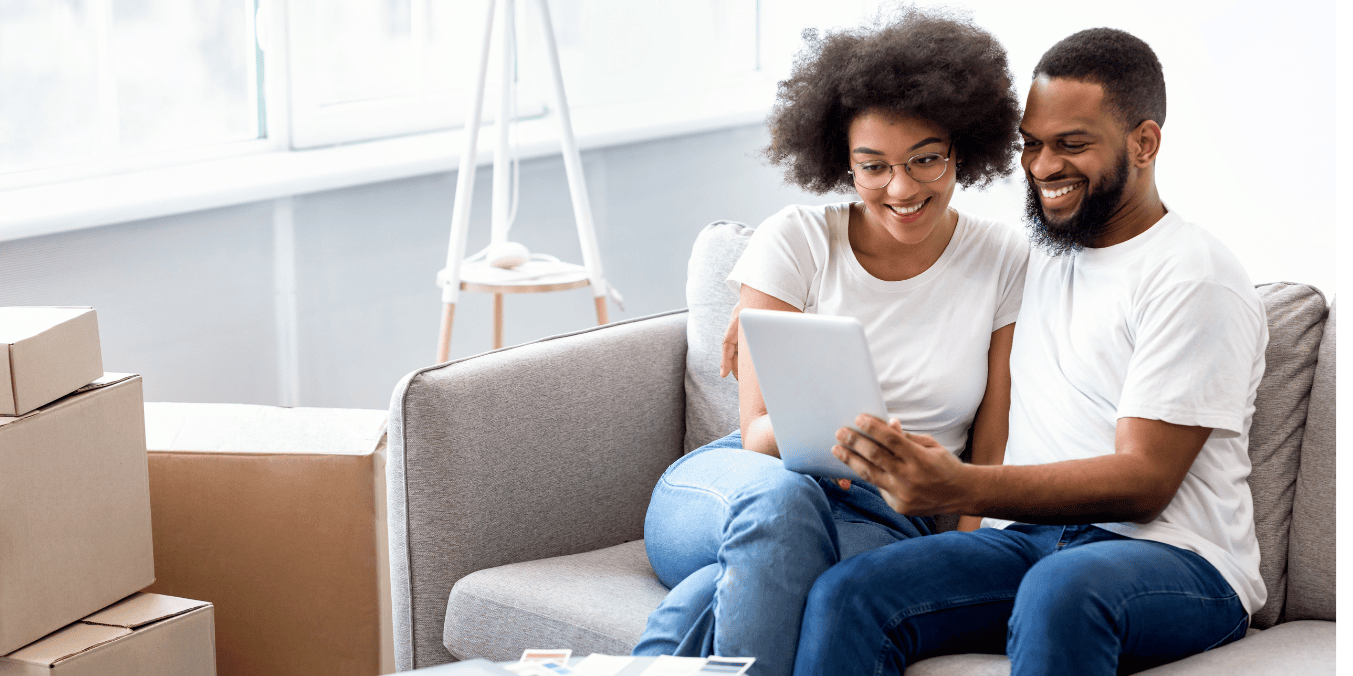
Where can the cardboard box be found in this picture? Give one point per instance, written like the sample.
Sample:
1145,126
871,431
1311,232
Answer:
276,516
144,635
45,354
74,509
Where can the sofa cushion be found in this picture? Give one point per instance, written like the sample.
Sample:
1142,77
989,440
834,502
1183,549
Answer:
1290,648
1310,557
711,401
593,602
962,665
1296,314
1287,649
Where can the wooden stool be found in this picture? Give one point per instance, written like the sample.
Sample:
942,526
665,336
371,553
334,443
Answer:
530,277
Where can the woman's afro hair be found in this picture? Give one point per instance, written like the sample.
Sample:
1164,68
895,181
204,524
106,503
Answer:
924,64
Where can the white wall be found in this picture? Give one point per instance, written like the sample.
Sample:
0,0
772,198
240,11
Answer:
189,301
1248,147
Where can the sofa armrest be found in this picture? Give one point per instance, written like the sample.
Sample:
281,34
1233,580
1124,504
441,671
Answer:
539,450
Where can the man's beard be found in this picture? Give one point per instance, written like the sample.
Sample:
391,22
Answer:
1082,228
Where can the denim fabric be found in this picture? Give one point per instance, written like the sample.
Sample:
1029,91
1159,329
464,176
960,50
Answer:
1056,599
739,540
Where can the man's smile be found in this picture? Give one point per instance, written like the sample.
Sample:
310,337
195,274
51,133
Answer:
1054,194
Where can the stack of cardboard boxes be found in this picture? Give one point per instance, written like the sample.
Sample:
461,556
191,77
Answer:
75,523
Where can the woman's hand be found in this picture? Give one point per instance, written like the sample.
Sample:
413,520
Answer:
757,434
728,362
917,476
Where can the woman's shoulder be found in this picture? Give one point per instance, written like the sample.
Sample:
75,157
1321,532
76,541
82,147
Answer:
997,236
810,215
808,221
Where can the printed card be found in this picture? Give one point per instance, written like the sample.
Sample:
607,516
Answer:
728,666
545,655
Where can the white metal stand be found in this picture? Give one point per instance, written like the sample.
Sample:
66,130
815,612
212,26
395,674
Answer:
533,276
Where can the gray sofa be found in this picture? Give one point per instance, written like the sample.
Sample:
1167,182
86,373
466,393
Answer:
518,481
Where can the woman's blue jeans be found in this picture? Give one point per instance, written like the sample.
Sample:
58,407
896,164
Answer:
739,540
1056,599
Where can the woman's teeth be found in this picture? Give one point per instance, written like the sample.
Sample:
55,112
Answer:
1053,194
906,210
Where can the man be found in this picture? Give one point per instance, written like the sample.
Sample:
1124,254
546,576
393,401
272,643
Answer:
1123,530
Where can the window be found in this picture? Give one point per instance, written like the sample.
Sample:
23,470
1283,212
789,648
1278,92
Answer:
102,87
108,84
366,69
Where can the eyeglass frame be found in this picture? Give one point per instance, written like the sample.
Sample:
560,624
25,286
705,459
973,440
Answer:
906,166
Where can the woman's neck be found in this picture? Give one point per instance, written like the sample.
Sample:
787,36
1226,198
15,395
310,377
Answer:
888,259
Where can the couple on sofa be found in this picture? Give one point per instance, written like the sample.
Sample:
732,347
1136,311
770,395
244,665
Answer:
1104,378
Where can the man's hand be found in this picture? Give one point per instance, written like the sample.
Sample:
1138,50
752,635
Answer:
918,476
728,362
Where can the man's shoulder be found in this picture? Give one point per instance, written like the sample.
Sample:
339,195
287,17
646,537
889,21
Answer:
1186,253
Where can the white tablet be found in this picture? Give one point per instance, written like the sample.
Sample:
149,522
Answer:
816,376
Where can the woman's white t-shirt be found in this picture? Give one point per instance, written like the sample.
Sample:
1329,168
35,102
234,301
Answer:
928,335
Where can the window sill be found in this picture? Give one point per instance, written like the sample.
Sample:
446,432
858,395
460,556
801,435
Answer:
73,205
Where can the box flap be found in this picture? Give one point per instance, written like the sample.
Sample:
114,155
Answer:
6,381
68,642
20,323
52,351
141,609
249,428
105,381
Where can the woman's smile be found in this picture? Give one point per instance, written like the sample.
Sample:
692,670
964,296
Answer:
908,213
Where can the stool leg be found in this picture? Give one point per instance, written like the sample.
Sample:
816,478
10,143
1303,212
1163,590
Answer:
444,340
497,320
601,309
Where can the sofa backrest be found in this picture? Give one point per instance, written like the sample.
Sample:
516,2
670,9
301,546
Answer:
1310,552
522,454
1296,318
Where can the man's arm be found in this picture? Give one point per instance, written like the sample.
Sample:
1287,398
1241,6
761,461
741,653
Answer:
919,477
756,431
991,426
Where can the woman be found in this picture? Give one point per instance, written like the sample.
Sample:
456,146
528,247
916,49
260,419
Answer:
900,113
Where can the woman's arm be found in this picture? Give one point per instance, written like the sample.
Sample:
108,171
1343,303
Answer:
992,424
756,432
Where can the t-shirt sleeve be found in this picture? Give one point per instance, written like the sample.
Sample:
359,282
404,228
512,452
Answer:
1196,348
1015,262
778,259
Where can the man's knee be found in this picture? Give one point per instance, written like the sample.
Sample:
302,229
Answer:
1065,591
839,587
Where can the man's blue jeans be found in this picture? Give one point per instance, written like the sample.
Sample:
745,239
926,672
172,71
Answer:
1056,599
739,540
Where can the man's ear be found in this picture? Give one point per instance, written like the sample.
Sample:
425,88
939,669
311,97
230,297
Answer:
1144,143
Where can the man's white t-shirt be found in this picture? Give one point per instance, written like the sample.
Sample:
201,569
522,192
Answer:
1165,326
928,335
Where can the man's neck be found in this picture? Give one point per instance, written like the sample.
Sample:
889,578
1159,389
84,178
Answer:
1138,213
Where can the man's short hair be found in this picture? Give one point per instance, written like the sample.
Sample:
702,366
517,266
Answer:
1124,65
